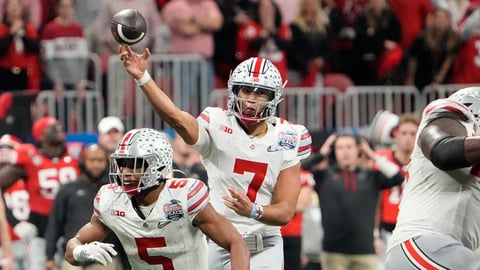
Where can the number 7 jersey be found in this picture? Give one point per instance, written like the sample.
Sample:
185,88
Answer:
250,164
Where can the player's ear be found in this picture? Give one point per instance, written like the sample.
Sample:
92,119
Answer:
393,132
332,150
358,142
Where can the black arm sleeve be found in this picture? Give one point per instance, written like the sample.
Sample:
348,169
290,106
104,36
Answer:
256,43
385,182
313,160
12,220
31,45
5,43
449,153
56,222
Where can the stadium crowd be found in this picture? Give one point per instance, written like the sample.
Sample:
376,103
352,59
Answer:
45,46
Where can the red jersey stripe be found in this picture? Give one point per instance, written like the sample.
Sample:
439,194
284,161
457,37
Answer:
305,135
205,117
303,148
198,202
446,105
197,188
419,259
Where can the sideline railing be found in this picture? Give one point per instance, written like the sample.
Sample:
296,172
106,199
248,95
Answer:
185,79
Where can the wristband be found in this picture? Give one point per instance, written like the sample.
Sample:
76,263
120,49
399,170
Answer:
254,209
145,78
258,212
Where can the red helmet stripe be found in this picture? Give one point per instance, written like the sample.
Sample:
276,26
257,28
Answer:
259,63
124,142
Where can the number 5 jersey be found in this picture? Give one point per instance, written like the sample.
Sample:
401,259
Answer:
162,236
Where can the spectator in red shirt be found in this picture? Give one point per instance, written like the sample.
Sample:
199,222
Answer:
412,15
466,68
33,11
265,36
19,50
65,51
399,154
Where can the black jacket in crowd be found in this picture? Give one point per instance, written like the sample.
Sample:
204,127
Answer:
73,208
348,201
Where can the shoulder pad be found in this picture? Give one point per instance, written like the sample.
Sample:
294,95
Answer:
448,106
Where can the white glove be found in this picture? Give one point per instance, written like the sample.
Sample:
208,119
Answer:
25,230
95,251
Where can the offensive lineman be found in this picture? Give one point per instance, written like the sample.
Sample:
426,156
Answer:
251,156
438,225
158,220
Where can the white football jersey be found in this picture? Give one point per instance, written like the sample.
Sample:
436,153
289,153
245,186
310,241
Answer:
166,239
433,201
250,164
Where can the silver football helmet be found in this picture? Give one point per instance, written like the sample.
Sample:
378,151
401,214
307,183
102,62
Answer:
470,97
256,73
147,153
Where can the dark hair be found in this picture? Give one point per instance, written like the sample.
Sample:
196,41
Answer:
357,138
278,13
25,12
88,148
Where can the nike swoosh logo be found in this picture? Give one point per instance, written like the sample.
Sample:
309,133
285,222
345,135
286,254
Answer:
163,224
274,149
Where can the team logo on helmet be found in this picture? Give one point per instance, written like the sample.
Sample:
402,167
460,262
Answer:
148,153
257,73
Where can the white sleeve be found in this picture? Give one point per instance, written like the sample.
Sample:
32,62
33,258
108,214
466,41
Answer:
385,166
203,143
305,144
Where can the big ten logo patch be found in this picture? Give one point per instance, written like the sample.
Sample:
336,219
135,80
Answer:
225,129
117,213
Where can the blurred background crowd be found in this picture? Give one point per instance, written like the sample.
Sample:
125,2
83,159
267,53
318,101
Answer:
65,48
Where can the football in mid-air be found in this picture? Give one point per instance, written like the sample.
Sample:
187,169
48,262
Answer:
128,26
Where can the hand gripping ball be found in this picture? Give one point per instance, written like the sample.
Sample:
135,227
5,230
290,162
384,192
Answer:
128,26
